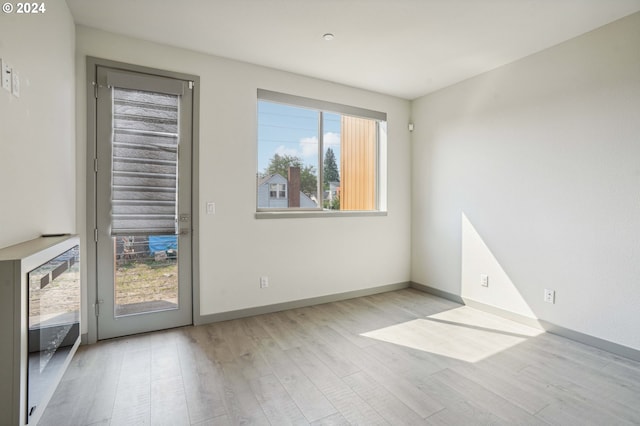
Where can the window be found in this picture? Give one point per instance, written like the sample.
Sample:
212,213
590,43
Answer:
318,156
278,190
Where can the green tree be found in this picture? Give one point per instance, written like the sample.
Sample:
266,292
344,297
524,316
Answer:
331,173
280,164
333,204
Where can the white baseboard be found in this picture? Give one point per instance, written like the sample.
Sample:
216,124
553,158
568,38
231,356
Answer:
260,310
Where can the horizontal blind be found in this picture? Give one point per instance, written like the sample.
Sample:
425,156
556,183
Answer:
144,162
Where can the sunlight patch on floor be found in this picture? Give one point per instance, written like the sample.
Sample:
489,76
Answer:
463,333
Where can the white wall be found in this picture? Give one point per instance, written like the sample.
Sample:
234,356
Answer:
531,174
303,257
37,133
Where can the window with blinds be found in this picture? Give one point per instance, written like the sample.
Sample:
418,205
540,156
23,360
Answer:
145,139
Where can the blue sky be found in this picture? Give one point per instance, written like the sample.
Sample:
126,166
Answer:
285,129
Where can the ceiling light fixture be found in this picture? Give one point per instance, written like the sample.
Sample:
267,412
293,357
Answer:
328,36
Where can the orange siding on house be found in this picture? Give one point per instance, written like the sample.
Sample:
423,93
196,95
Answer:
358,164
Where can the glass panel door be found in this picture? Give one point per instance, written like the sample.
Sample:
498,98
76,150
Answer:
143,203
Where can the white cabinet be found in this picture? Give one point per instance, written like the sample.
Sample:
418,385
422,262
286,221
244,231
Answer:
39,323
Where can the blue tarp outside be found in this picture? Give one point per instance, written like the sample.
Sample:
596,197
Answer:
163,243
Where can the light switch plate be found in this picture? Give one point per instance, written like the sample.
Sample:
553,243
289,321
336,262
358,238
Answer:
6,75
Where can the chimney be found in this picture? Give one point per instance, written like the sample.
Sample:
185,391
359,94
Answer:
294,187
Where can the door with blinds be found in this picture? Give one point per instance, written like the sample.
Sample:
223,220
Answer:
143,202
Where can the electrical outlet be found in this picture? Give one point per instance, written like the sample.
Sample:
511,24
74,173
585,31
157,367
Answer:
211,208
484,280
549,296
264,282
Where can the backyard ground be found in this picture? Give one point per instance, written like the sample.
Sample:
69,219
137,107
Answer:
146,280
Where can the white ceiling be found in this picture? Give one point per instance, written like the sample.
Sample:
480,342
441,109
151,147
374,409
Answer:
405,48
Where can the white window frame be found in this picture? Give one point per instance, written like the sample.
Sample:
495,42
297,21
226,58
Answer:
331,107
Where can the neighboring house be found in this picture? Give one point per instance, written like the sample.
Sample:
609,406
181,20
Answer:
273,193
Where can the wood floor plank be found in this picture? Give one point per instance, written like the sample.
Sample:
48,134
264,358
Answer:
165,362
620,370
464,416
378,304
240,404
332,420
133,399
244,348
419,303
309,399
239,400
276,403
361,317
391,408
89,362
100,423
408,362
529,396
280,331
578,352
330,355
338,319
247,354
67,407
132,415
133,392
223,420
418,401
571,411
572,390
168,402
623,389
351,407
136,365
483,397
202,380
458,409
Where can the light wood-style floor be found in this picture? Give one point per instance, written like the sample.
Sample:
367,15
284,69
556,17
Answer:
403,357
